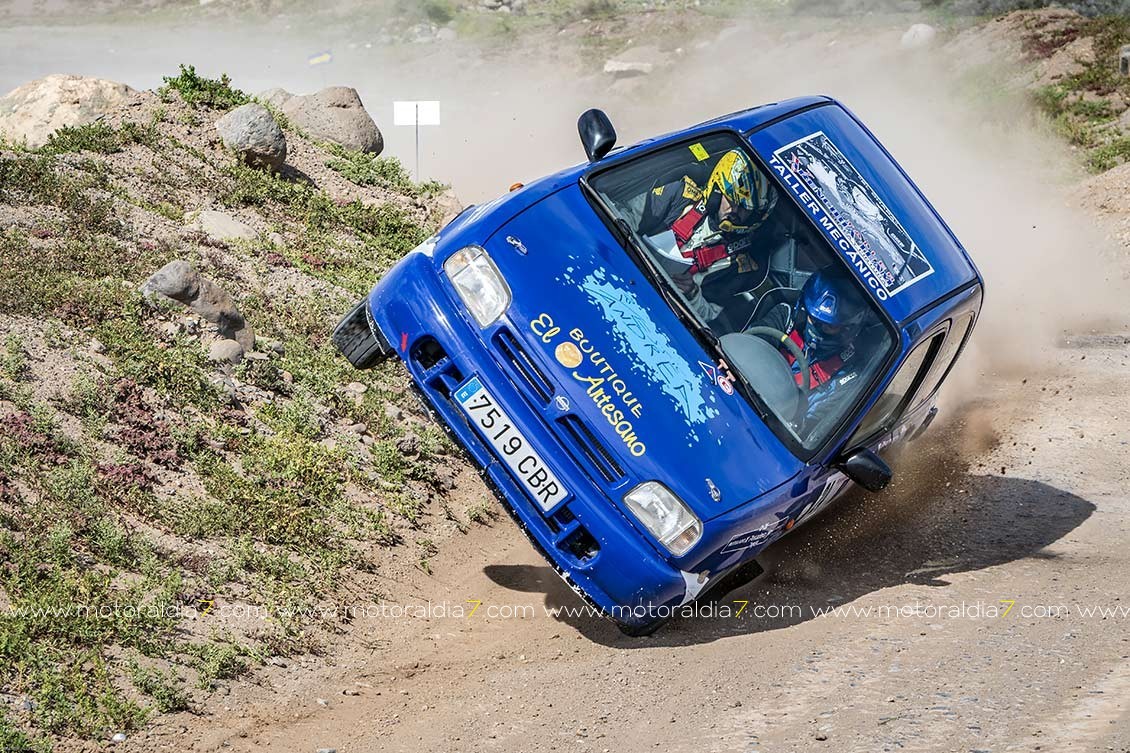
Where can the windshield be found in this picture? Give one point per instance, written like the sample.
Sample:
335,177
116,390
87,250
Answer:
749,270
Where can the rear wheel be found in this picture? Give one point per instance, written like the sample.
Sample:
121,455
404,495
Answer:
732,581
640,631
359,340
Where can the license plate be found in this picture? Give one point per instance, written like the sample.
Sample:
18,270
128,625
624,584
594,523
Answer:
509,444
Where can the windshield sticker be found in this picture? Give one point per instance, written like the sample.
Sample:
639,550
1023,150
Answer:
718,375
650,352
851,213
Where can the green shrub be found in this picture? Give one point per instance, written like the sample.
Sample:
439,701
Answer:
198,91
166,689
369,170
99,137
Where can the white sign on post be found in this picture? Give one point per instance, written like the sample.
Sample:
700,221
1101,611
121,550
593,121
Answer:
416,113
410,113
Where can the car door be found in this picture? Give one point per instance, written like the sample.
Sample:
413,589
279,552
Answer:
877,429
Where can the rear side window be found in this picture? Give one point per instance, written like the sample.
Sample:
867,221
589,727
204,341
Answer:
899,389
944,360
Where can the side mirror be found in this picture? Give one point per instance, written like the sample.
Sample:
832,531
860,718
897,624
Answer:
865,468
597,134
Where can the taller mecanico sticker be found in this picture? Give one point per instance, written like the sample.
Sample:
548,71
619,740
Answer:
851,213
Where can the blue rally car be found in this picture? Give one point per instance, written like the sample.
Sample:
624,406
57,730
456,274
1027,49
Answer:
667,358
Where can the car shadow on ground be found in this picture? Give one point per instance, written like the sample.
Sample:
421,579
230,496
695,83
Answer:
938,518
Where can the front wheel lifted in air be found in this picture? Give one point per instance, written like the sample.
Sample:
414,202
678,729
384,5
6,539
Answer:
359,340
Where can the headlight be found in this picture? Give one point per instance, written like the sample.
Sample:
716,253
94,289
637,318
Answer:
665,515
485,294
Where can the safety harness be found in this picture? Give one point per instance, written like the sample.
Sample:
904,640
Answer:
820,371
703,256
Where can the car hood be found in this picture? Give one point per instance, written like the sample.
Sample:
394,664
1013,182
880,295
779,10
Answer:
626,365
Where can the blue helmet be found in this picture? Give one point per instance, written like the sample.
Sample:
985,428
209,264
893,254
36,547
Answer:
829,311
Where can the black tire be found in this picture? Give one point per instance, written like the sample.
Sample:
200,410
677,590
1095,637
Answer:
359,340
732,581
639,631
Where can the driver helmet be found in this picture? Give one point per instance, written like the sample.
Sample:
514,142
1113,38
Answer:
750,196
829,312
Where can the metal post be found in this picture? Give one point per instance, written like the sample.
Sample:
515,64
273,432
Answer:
1124,61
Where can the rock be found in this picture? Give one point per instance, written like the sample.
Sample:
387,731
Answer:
636,61
393,412
37,109
919,36
446,207
223,227
357,428
97,346
251,131
180,282
409,444
176,280
276,97
326,750
1124,122
225,351
446,34
357,388
119,737
336,114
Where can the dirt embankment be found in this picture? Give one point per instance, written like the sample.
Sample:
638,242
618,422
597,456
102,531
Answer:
183,500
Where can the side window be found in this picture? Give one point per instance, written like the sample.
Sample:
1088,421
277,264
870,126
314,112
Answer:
945,358
897,390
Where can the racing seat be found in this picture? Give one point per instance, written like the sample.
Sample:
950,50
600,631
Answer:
699,172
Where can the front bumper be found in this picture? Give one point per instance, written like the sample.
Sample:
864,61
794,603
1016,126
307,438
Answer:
586,538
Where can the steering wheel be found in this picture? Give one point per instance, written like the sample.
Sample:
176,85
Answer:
777,337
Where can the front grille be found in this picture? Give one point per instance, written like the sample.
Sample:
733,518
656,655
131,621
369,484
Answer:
534,380
582,439
440,377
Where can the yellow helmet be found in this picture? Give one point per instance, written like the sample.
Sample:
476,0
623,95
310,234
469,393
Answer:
744,187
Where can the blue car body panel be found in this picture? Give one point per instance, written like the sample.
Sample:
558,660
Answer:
642,403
